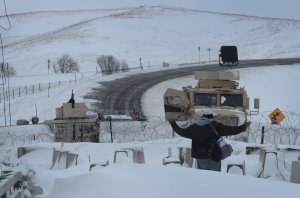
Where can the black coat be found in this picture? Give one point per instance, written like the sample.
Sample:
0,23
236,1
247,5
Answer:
203,136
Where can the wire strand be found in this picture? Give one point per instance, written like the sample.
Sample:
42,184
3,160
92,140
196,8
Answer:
1,43
2,70
6,29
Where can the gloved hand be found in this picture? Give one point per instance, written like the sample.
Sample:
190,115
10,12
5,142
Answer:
247,123
171,120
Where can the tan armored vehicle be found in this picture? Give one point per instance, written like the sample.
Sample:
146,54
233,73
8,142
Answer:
216,89
73,124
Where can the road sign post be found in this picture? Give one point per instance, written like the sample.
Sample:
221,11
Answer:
262,134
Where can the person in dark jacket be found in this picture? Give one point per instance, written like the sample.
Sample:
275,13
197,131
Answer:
72,100
202,136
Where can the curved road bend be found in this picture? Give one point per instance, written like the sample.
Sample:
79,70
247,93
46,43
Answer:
122,95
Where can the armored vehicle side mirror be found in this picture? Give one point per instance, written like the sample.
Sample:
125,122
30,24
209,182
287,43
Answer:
176,104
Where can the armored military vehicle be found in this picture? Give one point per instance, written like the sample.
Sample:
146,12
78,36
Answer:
74,123
217,89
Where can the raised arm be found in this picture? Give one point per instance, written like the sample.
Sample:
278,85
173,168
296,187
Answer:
225,130
183,132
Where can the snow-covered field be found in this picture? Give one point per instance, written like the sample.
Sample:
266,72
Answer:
156,31
169,31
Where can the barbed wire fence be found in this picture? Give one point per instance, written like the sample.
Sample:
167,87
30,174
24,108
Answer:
23,135
157,128
130,131
287,132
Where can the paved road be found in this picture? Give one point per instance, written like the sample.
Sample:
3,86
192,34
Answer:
122,95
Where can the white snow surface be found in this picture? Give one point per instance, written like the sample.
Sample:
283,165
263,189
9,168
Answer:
169,31
155,31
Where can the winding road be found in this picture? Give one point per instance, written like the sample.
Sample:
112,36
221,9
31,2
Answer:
122,95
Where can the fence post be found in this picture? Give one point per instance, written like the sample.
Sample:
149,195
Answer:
110,129
262,134
49,86
19,92
33,89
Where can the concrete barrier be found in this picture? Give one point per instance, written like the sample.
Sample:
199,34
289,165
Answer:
138,155
118,152
173,156
98,164
63,159
262,159
21,151
179,155
295,172
240,165
186,157
25,150
61,162
251,149
134,154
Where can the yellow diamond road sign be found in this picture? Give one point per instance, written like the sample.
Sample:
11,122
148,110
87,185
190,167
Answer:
276,116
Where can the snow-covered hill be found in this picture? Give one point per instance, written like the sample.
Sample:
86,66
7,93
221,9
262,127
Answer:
152,32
